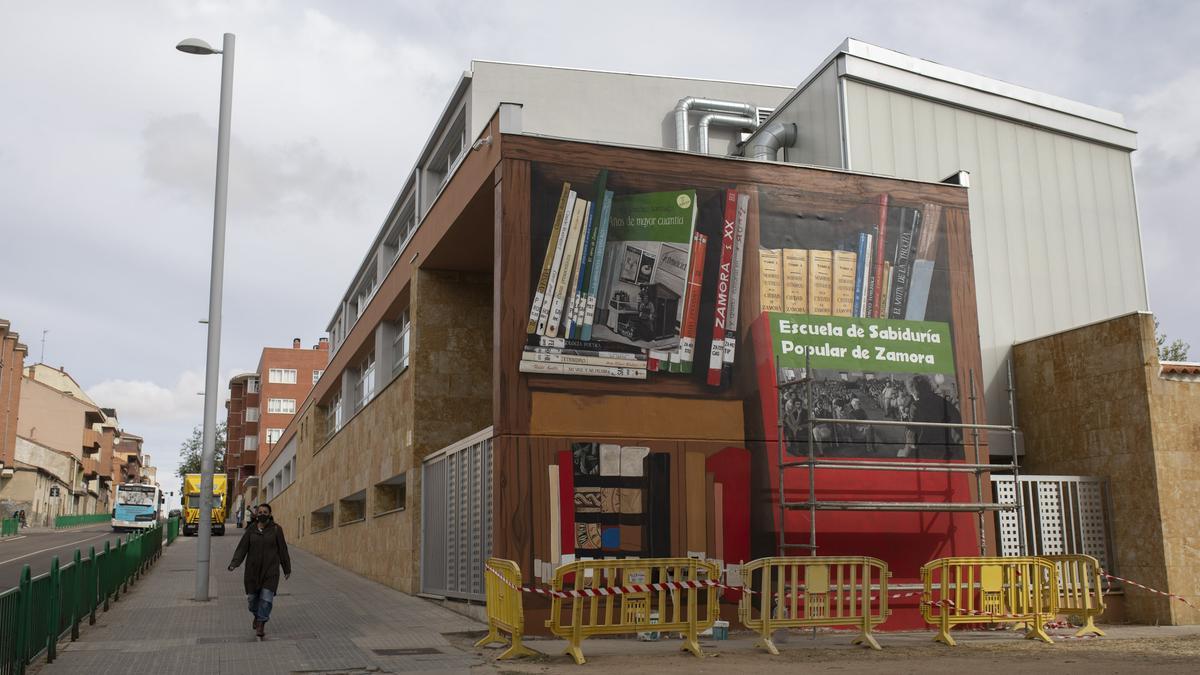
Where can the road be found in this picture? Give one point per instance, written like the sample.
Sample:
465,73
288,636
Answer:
38,548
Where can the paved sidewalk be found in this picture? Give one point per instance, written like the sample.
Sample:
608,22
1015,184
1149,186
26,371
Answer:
325,620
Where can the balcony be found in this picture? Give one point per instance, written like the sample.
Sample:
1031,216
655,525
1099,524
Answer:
91,468
249,458
91,441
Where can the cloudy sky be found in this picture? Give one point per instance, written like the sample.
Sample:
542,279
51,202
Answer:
107,145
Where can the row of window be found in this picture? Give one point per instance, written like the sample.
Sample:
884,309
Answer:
388,496
251,442
364,385
286,406
283,376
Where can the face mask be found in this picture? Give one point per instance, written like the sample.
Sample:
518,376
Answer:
264,518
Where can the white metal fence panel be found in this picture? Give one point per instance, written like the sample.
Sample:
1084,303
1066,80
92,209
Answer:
1059,515
456,518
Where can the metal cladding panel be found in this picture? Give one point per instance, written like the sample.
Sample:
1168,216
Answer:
456,522
607,107
1053,217
433,527
814,111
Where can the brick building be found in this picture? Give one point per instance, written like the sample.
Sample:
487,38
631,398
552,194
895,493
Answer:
241,434
262,404
12,367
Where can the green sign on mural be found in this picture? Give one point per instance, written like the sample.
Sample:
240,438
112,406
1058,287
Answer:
861,344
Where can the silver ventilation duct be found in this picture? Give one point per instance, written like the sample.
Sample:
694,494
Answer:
691,103
722,120
769,139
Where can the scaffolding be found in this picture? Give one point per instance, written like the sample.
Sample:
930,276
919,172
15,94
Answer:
813,463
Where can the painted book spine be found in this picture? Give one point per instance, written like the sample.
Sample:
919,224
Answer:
716,353
597,266
585,370
691,310
535,309
735,284
560,248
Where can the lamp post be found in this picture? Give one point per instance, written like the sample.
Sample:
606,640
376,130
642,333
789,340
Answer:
207,456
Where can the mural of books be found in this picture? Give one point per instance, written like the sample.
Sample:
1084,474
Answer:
880,267
624,274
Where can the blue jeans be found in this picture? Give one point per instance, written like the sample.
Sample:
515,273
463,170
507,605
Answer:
260,604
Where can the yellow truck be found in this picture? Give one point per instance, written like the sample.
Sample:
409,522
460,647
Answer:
191,503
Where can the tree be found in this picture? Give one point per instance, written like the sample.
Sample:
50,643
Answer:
190,450
1177,350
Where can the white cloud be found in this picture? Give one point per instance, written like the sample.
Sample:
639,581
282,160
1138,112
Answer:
148,402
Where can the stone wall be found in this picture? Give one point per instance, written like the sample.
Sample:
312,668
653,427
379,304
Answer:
1090,402
444,395
1175,420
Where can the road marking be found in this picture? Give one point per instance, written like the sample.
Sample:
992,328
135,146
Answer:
11,539
52,548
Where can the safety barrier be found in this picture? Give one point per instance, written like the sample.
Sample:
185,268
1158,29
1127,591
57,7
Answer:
9,527
41,610
796,592
172,529
64,522
612,597
505,611
1080,590
989,590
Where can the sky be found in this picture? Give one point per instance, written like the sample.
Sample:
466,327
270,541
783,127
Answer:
108,143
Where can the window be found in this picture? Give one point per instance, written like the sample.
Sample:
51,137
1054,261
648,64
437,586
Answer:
353,508
252,385
273,436
390,494
251,414
250,443
281,376
285,406
321,519
400,343
333,415
366,380
317,375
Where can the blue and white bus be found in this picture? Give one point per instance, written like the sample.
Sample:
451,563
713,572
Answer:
137,507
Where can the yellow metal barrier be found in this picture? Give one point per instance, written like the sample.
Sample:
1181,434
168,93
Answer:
792,592
678,603
505,611
1080,590
989,590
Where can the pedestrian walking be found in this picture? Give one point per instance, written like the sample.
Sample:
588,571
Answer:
264,550
21,518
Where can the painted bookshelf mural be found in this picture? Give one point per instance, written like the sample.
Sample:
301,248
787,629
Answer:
629,280
743,307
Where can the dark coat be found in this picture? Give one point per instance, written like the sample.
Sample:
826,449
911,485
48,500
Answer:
264,552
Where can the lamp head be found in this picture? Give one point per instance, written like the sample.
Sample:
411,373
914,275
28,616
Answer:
196,46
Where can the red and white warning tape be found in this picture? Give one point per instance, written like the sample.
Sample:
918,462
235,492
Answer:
1180,598
612,590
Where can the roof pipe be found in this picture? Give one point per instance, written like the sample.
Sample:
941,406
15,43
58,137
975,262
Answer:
721,120
690,103
766,143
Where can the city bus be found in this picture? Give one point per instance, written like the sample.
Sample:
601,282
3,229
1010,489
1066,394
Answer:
137,507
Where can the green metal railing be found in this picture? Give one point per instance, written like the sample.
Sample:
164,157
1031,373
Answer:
9,527
43,609
172,529
63,522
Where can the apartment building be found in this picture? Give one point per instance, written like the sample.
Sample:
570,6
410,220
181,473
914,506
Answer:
263,403
12,368
430,442
241,435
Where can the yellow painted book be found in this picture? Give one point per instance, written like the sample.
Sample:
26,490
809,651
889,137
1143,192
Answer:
795,280
845,268
820,282
770,279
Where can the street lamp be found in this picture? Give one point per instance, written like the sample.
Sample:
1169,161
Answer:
207,456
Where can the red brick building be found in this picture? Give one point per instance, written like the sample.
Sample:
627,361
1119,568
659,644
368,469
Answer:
12,365
241,432
262,404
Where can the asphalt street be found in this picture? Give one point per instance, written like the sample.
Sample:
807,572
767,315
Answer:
37,548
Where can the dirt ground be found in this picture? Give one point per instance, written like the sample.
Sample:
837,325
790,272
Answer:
1142,650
